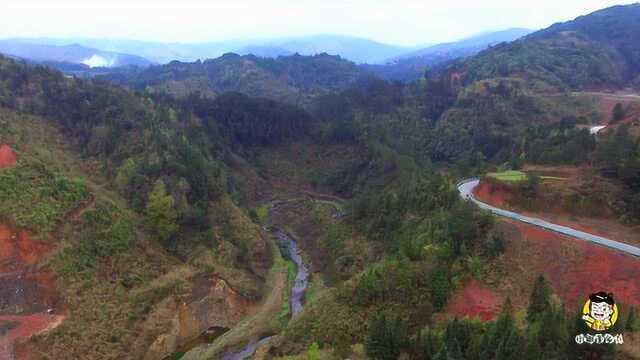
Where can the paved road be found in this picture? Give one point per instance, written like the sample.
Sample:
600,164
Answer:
466,191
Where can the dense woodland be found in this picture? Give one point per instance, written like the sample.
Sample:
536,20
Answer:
168,157
294,79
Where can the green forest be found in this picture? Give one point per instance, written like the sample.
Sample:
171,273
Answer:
180,170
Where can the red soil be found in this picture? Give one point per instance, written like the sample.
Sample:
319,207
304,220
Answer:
26,292
7,156
577,268
492,194
18,249
25,326
475,300
499,196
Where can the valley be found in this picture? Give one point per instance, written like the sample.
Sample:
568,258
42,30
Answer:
308,206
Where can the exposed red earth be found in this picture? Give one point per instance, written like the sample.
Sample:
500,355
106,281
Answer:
474,299
492,195
29,303
7,156
575,268
498,195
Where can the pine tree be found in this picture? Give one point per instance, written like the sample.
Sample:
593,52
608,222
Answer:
161,215
632,320
425,344
618,112
539,301
386,338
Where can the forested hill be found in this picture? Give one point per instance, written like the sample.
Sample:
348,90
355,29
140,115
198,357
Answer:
294,79
140,138
599,50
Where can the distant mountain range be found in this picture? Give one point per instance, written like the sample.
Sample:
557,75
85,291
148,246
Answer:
356,49
79,56
69,54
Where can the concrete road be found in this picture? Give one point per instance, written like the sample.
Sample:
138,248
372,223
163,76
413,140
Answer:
466,191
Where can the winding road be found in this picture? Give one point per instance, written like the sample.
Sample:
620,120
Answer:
466,192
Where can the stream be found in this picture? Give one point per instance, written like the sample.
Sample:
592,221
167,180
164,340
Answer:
296,297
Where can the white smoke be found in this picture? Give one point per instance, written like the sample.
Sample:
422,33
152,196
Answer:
99,61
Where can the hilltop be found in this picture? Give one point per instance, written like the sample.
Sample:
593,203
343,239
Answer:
294,79
412,65
595,51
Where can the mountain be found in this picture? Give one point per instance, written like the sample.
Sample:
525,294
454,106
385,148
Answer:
356,49
595,51
480,41
294,79
264,51
70,54
411,65
161,222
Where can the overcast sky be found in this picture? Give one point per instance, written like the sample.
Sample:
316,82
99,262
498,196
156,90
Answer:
406,22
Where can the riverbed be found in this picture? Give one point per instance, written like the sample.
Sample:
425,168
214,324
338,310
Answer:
297,293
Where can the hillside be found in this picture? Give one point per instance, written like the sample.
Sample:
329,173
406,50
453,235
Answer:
299,208
294,79
595,51
411,66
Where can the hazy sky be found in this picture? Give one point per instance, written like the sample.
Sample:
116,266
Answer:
399,21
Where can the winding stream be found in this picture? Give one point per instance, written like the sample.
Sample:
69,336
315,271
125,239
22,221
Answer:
296,298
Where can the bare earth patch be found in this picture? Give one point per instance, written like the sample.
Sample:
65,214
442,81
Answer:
26,293
575,268
606,226
475,299
8,157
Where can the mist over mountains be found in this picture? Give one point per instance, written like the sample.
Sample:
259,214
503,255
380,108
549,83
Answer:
71,54
113,53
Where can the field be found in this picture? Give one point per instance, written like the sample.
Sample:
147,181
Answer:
509,175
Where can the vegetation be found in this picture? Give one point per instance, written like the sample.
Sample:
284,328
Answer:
293,79
182,177
35,196
509,175
591,51
618,157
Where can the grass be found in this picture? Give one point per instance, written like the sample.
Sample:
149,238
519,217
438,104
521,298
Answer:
285,310
35,196
262,211
552,178
509,176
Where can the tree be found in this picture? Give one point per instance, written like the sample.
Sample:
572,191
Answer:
440,288
425,344
161,215
632,320
539,301
618,112
314,352
386,338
